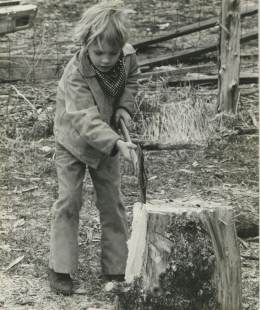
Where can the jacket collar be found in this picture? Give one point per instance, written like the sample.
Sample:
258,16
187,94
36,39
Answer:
84,64
85,67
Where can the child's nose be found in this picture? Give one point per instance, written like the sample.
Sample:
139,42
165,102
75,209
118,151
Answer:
106,60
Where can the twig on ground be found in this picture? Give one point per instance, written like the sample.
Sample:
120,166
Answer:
253,118
25,99
253,239
245,131
250,257
13,263
243,243
26,190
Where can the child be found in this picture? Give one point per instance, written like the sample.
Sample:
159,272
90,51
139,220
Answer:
96,90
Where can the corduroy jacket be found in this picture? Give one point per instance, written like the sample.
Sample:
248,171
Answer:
84,114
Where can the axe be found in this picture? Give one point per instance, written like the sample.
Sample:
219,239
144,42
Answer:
137,161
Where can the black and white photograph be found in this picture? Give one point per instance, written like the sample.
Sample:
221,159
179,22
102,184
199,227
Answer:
129,155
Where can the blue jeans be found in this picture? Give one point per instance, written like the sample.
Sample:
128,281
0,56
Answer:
65,221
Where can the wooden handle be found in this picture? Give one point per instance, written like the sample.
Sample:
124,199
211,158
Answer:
133,154
137,159
125,130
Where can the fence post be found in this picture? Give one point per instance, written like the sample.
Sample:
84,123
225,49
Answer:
229,56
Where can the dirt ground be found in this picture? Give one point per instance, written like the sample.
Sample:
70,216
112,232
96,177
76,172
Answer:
223,168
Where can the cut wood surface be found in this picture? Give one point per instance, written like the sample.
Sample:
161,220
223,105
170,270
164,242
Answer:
188,29
182,255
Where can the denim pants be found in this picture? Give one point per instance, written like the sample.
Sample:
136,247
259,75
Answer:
65,217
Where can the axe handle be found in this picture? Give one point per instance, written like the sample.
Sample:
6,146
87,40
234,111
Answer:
133,154
125,130
142,177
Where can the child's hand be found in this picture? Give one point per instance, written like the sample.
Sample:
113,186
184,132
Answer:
122,113
127,149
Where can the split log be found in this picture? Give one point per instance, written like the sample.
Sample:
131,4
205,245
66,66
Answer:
183,255
188,29
229,56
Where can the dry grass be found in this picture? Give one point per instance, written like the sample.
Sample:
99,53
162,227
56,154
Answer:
175,115
29,188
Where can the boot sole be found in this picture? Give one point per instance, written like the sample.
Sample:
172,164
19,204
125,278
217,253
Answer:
59,292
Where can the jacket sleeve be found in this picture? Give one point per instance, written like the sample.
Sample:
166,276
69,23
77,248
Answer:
84,116
127,100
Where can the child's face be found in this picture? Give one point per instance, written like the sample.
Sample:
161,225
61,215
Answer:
103,57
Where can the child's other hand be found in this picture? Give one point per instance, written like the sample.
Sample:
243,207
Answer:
127,149
122,113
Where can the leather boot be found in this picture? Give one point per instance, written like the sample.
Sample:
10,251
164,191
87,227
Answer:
114,277
60,283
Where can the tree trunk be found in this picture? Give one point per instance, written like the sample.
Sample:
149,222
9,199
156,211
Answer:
182,255
229,56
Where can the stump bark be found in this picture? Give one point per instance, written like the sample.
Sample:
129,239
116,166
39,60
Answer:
182,255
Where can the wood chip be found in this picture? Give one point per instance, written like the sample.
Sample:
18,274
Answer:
14,262
80,291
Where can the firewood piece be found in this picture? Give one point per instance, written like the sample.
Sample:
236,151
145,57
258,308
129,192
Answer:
182,255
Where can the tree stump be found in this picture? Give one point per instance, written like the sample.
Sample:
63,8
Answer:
182,255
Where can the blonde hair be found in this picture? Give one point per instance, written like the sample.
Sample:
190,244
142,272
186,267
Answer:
106,20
